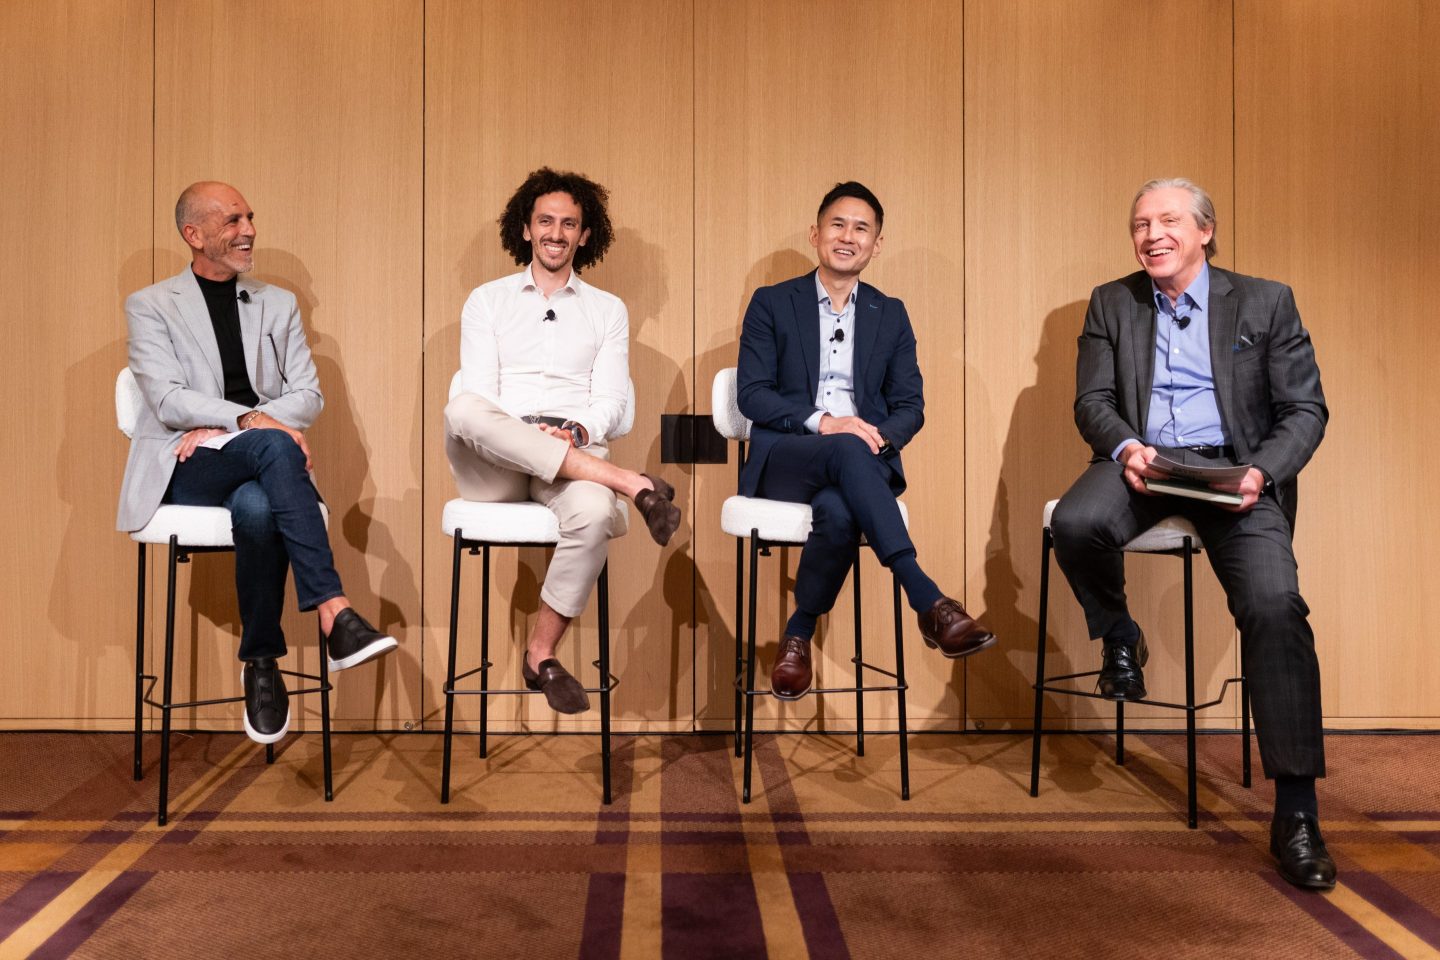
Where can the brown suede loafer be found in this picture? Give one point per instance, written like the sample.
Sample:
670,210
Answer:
562,691
657,506
792,674
954,632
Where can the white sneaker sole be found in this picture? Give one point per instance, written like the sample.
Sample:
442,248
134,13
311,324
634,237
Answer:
256,735
368,652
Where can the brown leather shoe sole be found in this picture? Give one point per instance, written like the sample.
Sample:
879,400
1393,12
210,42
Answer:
985,644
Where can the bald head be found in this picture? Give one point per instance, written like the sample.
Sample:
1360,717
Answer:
218,226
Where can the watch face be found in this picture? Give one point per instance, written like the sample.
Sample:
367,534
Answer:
575,433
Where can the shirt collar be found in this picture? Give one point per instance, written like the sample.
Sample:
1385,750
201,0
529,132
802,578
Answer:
824,294
1198,292
572,282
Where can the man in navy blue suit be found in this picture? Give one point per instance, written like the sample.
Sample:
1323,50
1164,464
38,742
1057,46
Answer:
828,377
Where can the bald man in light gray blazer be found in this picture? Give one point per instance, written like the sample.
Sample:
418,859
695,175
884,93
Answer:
229,387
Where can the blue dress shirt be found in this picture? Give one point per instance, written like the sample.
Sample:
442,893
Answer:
835,391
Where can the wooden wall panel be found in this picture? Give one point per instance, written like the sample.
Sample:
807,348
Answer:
1066,114
1337,135
791,98
611,98
313,111
75,161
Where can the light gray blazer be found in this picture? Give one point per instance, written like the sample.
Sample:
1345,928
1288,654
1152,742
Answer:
176,362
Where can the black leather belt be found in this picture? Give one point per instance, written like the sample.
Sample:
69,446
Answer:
1214,453
550,421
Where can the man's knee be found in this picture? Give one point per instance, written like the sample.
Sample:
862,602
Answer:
250,515
466,413
1071,523
831,519
588,512
277,446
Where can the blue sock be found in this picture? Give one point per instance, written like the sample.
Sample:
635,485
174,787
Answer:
1126,632
801,625
919,589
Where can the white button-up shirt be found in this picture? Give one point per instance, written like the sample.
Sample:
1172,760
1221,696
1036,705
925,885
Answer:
835,389
576,366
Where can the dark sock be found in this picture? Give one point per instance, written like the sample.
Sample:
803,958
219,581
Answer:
801,625
1127,633
1296,795
920,590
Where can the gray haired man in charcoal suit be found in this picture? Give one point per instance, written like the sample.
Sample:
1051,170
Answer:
1210,368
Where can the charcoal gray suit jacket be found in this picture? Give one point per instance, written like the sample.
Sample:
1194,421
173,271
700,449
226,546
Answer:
1267,385
176,362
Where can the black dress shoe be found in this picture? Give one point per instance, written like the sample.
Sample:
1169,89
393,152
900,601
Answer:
562,691
1120,675
792,673
1300,851
267,702
657,507
352,641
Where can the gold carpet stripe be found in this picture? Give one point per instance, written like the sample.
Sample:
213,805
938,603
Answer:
640,930
1383,927
55,914
195,795
779,917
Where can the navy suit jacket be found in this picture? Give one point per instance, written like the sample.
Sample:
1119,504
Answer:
780,371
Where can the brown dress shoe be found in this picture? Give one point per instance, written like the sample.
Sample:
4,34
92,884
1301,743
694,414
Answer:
658,508
562,691
948,627
791,675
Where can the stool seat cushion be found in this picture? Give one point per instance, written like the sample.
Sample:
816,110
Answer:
194,526
778,521
522,522
1167,535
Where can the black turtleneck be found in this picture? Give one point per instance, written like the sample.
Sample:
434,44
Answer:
220,298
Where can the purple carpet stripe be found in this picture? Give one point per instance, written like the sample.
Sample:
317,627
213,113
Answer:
1332,918
1405,911
706,916
715,837
604,917
101,908
31,898
1404,815
1420,836
823,936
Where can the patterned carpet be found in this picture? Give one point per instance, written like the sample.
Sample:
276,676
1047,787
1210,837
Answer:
827,862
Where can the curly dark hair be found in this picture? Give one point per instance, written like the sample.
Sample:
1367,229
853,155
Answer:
591,197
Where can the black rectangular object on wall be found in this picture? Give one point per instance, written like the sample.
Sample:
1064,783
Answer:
691,438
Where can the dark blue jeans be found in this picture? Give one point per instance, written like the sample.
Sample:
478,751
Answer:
850,491
275,516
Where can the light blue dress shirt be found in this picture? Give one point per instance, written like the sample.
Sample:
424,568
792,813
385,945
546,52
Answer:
835,390
1183,411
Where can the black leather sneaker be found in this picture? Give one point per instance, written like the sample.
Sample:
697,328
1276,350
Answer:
267,702
352,641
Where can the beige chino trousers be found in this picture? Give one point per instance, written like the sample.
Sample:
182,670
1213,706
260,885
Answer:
496,458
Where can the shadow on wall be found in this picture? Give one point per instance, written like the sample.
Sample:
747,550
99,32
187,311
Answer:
1042,456
341,455
93,447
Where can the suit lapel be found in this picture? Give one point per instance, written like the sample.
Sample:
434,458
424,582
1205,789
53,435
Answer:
195,317
1222,318
252,312
867,328
807,327
1142,344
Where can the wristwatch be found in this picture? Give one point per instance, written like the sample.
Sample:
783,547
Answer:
577,432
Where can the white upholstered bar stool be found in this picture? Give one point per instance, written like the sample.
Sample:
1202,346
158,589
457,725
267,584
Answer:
1175,536
185,532
778,523
477,527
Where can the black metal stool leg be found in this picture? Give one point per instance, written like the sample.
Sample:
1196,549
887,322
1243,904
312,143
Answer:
325,711
603,600
1190,791
750,668
1120,733
859,666
269,753
450,670
1040,663
139,660
1245,727
485,650
900,692
167,683
739,635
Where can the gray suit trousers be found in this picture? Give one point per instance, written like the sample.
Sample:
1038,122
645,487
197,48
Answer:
1253,558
